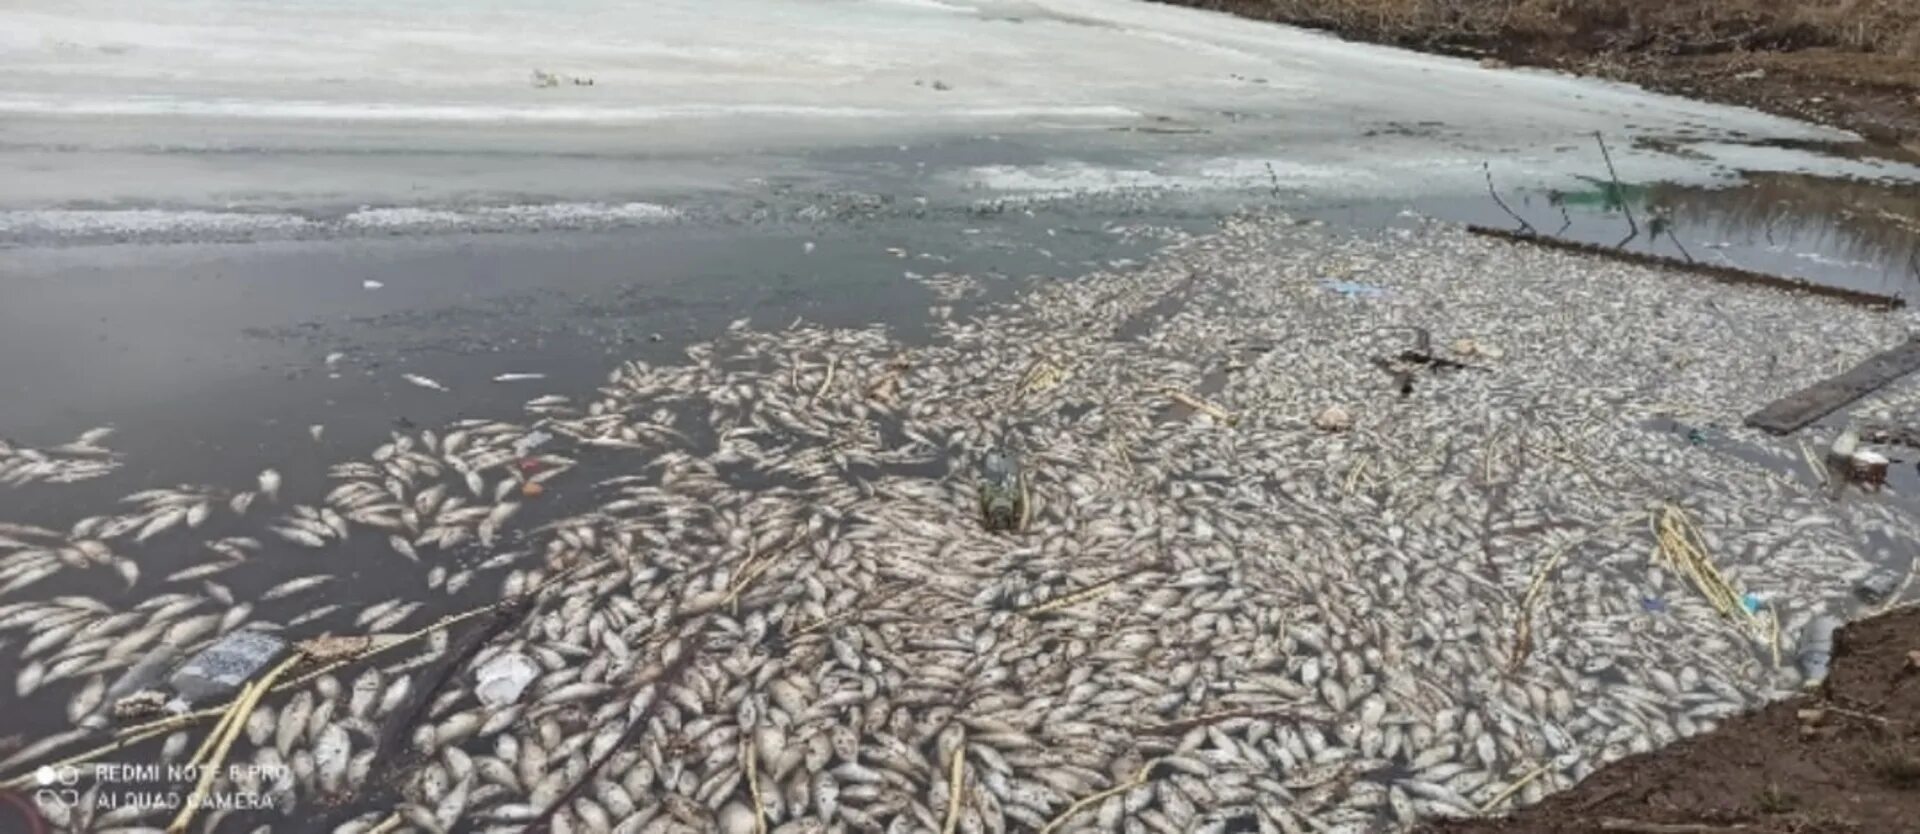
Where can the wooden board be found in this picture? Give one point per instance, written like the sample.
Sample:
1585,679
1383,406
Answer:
1791,412
1724,274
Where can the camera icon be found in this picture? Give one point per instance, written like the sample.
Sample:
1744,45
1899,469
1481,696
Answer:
50,798
65,776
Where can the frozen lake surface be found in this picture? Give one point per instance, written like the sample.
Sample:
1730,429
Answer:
297,113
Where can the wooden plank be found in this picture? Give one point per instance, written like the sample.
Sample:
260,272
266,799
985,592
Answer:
1723,274
1791,412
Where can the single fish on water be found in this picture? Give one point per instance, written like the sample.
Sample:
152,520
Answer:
423,382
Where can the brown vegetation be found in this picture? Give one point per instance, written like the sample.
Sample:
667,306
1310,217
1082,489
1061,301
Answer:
1854,63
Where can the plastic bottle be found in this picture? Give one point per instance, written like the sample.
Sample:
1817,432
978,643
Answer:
1816,649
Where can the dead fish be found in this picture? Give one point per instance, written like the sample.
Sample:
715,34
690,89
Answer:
423,382
200,571
517,377
294,586
270,484
300,536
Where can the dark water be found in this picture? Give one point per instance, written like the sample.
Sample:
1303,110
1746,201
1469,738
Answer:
1856,234
211,362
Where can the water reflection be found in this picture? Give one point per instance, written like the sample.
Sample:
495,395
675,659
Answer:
1853,234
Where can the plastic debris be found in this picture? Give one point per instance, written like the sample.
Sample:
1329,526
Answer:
1333,418
502,679
1354,289
1003,498
1653,605
138,705
1845,445
1875,589
1474,349
1816,649
220,669
1752,602
533,440
1869,469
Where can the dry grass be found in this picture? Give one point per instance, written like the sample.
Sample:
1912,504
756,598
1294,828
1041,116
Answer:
1890,27
1898,766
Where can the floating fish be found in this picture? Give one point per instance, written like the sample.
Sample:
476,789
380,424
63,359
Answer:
423,382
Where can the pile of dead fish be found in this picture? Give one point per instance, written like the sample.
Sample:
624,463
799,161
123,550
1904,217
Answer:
82,459
770,603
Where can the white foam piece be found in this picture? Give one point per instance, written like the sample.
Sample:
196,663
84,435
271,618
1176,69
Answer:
143,221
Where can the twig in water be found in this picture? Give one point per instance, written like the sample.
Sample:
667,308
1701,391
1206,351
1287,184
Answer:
954,778
1273,178
1900,591
669,676
1524,225
1681,246
1183,726
1216,412
1523,632
1618,189
1087,801
229,730
748,752
832,364
1514,788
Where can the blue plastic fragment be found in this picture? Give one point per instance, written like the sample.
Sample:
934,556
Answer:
1653,604
1353,289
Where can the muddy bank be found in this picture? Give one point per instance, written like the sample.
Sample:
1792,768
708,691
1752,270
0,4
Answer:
1850,65
1842,759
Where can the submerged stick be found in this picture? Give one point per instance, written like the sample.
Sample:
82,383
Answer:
1524,225
1087,801
753,786
1618,189
236,721
955,776
1515,788
1724,274
1523,634
1202,406
668,676
833,364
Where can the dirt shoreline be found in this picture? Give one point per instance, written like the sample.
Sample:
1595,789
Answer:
1844,759
1851,64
